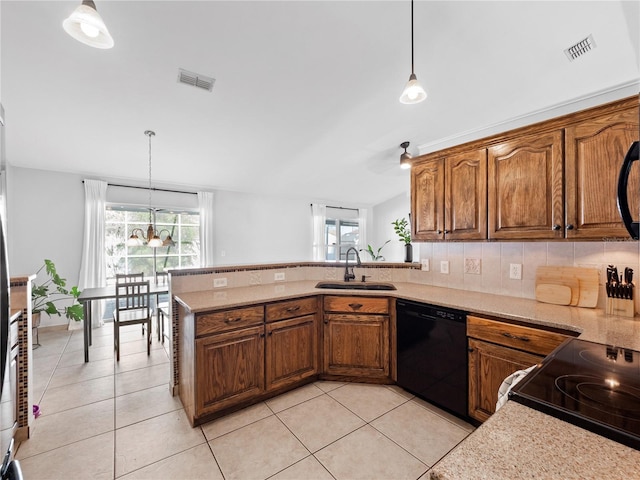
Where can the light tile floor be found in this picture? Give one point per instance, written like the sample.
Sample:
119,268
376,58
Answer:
108,420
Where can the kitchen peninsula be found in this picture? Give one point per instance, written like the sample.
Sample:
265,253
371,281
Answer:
514,434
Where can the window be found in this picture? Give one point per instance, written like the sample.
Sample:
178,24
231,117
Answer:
184,228
341,232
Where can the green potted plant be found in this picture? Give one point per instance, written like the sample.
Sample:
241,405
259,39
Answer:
375,256
401,227
46,296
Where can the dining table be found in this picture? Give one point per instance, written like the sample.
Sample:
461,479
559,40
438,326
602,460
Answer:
89,295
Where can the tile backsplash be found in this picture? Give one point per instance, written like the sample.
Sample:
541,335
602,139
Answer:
495,259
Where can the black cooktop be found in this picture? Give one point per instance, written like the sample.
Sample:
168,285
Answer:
592,385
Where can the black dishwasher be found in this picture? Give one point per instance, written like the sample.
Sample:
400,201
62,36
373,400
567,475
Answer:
432,354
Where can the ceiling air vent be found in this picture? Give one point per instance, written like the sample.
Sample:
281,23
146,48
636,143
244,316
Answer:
580,48
195,79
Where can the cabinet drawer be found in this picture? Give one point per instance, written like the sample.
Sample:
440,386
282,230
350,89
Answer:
351,304
228,320
291,308
528,339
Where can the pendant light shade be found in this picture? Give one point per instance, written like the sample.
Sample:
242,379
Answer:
86,25
413,91
405,158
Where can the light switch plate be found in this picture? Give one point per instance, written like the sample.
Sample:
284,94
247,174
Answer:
425,264
444,266
278,276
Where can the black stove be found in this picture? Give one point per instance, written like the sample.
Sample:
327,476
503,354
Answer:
592,385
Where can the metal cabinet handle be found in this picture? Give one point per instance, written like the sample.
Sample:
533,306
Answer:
355,306
446,231
555,227
439,232
326,322
293,309
515,337
569,227
232,320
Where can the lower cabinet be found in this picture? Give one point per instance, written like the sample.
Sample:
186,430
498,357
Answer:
243,354
291,351
356,337
496,350
229,368
489,365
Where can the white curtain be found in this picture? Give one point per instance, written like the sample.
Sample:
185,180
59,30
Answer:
206,206
92,267
362,228
319,213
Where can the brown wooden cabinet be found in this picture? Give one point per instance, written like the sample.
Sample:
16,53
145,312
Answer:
356,337
525,188
449,197
291,347
496,350
242,355
553,180
594,151
229,369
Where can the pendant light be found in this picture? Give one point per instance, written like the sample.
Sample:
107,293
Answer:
86,25
405,158
152,237
413,91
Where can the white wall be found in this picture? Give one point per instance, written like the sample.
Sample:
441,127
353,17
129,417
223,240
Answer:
261,229
46,220
382,230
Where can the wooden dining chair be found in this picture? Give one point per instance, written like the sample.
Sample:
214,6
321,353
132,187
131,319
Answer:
130,277
162,308
132,307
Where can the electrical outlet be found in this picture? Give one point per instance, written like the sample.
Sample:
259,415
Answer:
425,264
515,271
444,266
278,276
220,282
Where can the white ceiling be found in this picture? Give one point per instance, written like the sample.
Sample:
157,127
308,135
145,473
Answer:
305,102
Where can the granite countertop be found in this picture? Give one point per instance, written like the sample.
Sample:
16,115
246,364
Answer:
517,442
590,323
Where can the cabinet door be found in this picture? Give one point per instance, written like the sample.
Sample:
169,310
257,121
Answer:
489,365
229,368
525,188
291,351
466,196
427,200
594,152
356,345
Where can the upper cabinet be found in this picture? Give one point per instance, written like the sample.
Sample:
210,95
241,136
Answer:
449,197
594,149
550,181
525,188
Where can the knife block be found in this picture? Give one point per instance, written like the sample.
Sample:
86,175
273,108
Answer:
622,307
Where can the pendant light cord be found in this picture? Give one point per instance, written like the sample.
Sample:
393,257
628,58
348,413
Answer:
412,37
150,133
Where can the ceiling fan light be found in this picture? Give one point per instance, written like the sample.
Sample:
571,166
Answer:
86,25
413,92
405,163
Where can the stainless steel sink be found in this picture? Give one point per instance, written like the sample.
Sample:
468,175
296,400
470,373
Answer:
356,285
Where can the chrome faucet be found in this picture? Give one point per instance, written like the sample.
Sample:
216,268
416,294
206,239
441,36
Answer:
349,275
